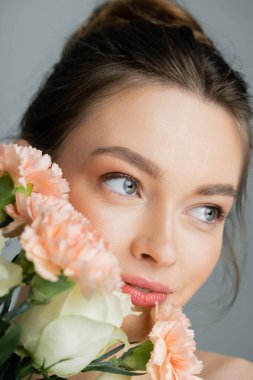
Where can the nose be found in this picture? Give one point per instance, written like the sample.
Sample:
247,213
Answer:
155,239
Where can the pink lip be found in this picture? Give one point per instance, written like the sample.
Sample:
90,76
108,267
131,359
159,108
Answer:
157,291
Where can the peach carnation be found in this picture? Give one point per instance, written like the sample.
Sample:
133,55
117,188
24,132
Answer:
70,245
164,311
25,210
9,161
173,356
27,165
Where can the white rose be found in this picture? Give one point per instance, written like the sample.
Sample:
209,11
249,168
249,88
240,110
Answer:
71,331
2,241
10,274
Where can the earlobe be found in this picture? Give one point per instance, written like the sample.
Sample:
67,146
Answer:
21,142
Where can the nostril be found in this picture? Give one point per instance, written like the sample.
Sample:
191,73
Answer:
145,256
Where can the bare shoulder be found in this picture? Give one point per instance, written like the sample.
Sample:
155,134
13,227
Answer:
223,367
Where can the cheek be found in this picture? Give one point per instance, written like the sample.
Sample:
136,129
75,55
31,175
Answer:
200,266
115,224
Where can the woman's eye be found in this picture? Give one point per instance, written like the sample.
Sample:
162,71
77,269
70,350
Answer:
122,184
209,214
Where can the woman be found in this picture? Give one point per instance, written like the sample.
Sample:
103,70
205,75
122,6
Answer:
137,113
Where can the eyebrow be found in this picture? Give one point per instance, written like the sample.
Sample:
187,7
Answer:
135,159
217,189
150,168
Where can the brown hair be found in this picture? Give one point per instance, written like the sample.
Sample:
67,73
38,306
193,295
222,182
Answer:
129,42
161,12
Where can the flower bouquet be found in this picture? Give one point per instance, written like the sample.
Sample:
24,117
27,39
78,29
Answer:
69,316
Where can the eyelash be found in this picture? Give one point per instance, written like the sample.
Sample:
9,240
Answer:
116,175
221,215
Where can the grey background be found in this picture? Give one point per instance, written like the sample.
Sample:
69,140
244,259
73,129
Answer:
32,33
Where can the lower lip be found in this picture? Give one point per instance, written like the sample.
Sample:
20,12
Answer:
141,298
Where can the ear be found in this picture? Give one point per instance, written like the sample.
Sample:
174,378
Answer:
21,142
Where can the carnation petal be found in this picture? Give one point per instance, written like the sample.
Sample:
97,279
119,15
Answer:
9,161
70,244
27,165
21,215
173,355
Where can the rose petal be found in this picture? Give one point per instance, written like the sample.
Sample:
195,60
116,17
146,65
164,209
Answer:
10,276
77,339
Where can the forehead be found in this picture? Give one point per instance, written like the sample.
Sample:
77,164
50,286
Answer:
181,133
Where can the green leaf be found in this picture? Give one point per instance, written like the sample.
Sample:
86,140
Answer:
24,190
26,368
21,351
26,265
10,370
7,194
108,354
43,290
5,219
17,311
137,357
3,326
9,342
6,301
109,367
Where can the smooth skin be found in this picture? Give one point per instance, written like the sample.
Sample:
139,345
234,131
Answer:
159,229
163,220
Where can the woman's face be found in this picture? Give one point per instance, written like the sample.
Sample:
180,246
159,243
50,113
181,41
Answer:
155,168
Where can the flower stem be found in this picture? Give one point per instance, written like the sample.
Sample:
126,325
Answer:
26,370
